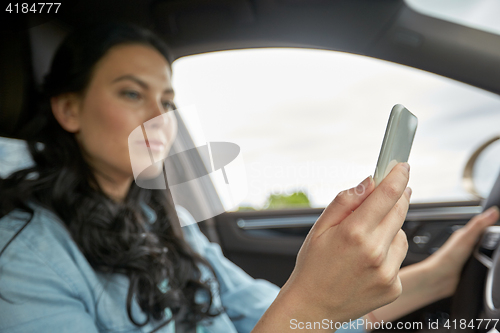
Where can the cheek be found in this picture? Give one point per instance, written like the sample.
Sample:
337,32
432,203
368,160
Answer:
104,133
171,129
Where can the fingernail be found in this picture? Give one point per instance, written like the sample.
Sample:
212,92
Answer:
407,166
363,185
408,191
490,211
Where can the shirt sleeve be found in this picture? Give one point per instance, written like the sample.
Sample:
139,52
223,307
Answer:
353,326
244,298
35,298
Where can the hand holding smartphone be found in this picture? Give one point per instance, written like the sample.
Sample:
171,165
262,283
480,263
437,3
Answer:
397,141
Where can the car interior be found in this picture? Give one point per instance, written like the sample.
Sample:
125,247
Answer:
265,243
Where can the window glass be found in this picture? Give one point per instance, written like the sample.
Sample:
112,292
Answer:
477,14
310,123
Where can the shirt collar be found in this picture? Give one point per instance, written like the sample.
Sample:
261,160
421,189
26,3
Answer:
149,213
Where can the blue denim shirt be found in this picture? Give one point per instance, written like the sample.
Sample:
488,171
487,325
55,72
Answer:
48,285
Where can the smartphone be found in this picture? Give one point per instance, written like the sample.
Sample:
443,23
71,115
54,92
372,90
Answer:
397,142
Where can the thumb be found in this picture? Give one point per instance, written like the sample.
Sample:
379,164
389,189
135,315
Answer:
343,205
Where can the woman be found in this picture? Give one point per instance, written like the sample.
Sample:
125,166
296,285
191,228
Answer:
84,249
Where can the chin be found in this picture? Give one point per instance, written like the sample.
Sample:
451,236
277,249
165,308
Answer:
151,177
151,171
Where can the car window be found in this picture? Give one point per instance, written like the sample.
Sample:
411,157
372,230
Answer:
310,123
477,14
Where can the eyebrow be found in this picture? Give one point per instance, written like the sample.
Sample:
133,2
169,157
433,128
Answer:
139,82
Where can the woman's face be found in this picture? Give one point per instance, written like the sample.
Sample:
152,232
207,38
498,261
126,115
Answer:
130,89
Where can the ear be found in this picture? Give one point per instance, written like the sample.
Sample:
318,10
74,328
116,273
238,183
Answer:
66,110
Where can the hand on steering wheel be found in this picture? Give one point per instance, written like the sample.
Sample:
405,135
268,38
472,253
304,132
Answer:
448,261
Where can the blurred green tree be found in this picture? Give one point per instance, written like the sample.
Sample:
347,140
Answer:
240,208
297,199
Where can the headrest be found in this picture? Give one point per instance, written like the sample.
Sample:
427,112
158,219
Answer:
22,67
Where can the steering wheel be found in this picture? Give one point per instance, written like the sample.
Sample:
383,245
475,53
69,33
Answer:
475,307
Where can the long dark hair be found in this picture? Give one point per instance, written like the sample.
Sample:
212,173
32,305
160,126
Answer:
110,235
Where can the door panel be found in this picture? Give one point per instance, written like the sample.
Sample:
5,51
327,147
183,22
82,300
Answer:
265,243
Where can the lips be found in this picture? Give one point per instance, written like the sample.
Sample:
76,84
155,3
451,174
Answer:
155,144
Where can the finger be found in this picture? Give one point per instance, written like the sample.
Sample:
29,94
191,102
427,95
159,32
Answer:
393,221
476,226
480,222
397,251
343,205
373,210
388,270
392,265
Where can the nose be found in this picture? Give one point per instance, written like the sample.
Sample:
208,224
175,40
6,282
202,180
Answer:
157,116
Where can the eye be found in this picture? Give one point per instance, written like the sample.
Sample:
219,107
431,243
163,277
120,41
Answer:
168,105
131,94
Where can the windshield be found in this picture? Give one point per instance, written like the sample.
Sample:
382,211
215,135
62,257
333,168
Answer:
311,122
